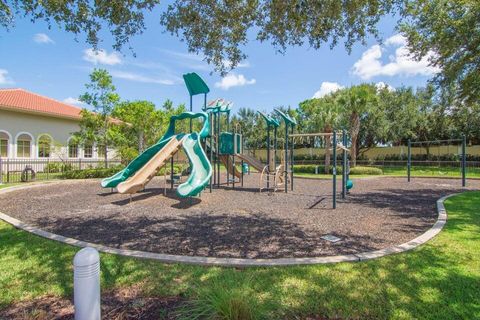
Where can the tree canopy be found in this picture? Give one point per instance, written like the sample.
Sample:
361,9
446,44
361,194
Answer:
445,31
448,32
217,29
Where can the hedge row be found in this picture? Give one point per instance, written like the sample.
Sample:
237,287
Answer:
394,157
310,168
107,172
91,173
425,157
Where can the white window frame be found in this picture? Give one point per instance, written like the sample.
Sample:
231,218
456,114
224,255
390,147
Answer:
68,150
32,145
9,143
38,145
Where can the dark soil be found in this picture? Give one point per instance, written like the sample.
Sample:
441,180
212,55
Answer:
121,304
379,212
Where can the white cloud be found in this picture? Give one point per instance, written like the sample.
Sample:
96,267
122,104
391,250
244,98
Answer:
326,88
141,78
402,63
74,101
42,38
234,80
396,40
4,78
101,57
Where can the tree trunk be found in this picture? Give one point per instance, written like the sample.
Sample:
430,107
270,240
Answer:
141,141
106,155
354,131
105,137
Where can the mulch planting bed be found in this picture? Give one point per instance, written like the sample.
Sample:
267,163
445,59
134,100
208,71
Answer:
241,223
126,303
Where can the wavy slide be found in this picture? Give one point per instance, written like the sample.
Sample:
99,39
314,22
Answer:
201,169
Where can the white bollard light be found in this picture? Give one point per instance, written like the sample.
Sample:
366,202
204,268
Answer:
86,284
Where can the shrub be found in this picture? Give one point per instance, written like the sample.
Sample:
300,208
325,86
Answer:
310,168
91,173
366,171
55,167
424,157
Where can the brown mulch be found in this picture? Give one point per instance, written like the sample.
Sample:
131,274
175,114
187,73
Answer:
241,223
121,304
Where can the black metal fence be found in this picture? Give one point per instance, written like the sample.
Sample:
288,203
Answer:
22,170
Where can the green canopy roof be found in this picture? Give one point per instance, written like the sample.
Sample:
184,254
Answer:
270,121
287,118
195,84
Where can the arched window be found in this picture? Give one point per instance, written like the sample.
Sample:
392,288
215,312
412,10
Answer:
24,146
72,148
101,151
4,142
88,150
44,146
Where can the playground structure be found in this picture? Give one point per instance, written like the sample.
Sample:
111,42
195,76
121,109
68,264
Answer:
347,184
214,146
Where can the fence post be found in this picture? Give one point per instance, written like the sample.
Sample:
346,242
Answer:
409,159
1,170
464,161
8,170
48,168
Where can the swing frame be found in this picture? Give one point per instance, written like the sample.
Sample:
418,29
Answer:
463,161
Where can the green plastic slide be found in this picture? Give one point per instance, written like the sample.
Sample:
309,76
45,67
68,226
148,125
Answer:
200,167
142,159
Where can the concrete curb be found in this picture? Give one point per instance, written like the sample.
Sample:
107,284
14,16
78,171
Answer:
235,262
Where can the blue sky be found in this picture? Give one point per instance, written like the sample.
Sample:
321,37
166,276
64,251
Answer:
52,63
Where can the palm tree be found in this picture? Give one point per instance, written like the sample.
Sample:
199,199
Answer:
320,114
356,102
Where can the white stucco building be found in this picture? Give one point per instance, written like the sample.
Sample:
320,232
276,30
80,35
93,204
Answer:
36,127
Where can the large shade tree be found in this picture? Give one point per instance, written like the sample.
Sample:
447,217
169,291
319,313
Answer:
215,28
448,32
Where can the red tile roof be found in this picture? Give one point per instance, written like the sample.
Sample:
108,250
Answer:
25,101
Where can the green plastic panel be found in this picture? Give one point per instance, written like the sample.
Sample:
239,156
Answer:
195,84
190,115
227,145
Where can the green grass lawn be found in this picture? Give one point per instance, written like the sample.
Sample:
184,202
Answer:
439,280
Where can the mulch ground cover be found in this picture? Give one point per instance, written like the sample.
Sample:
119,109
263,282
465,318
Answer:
240,223
121,304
